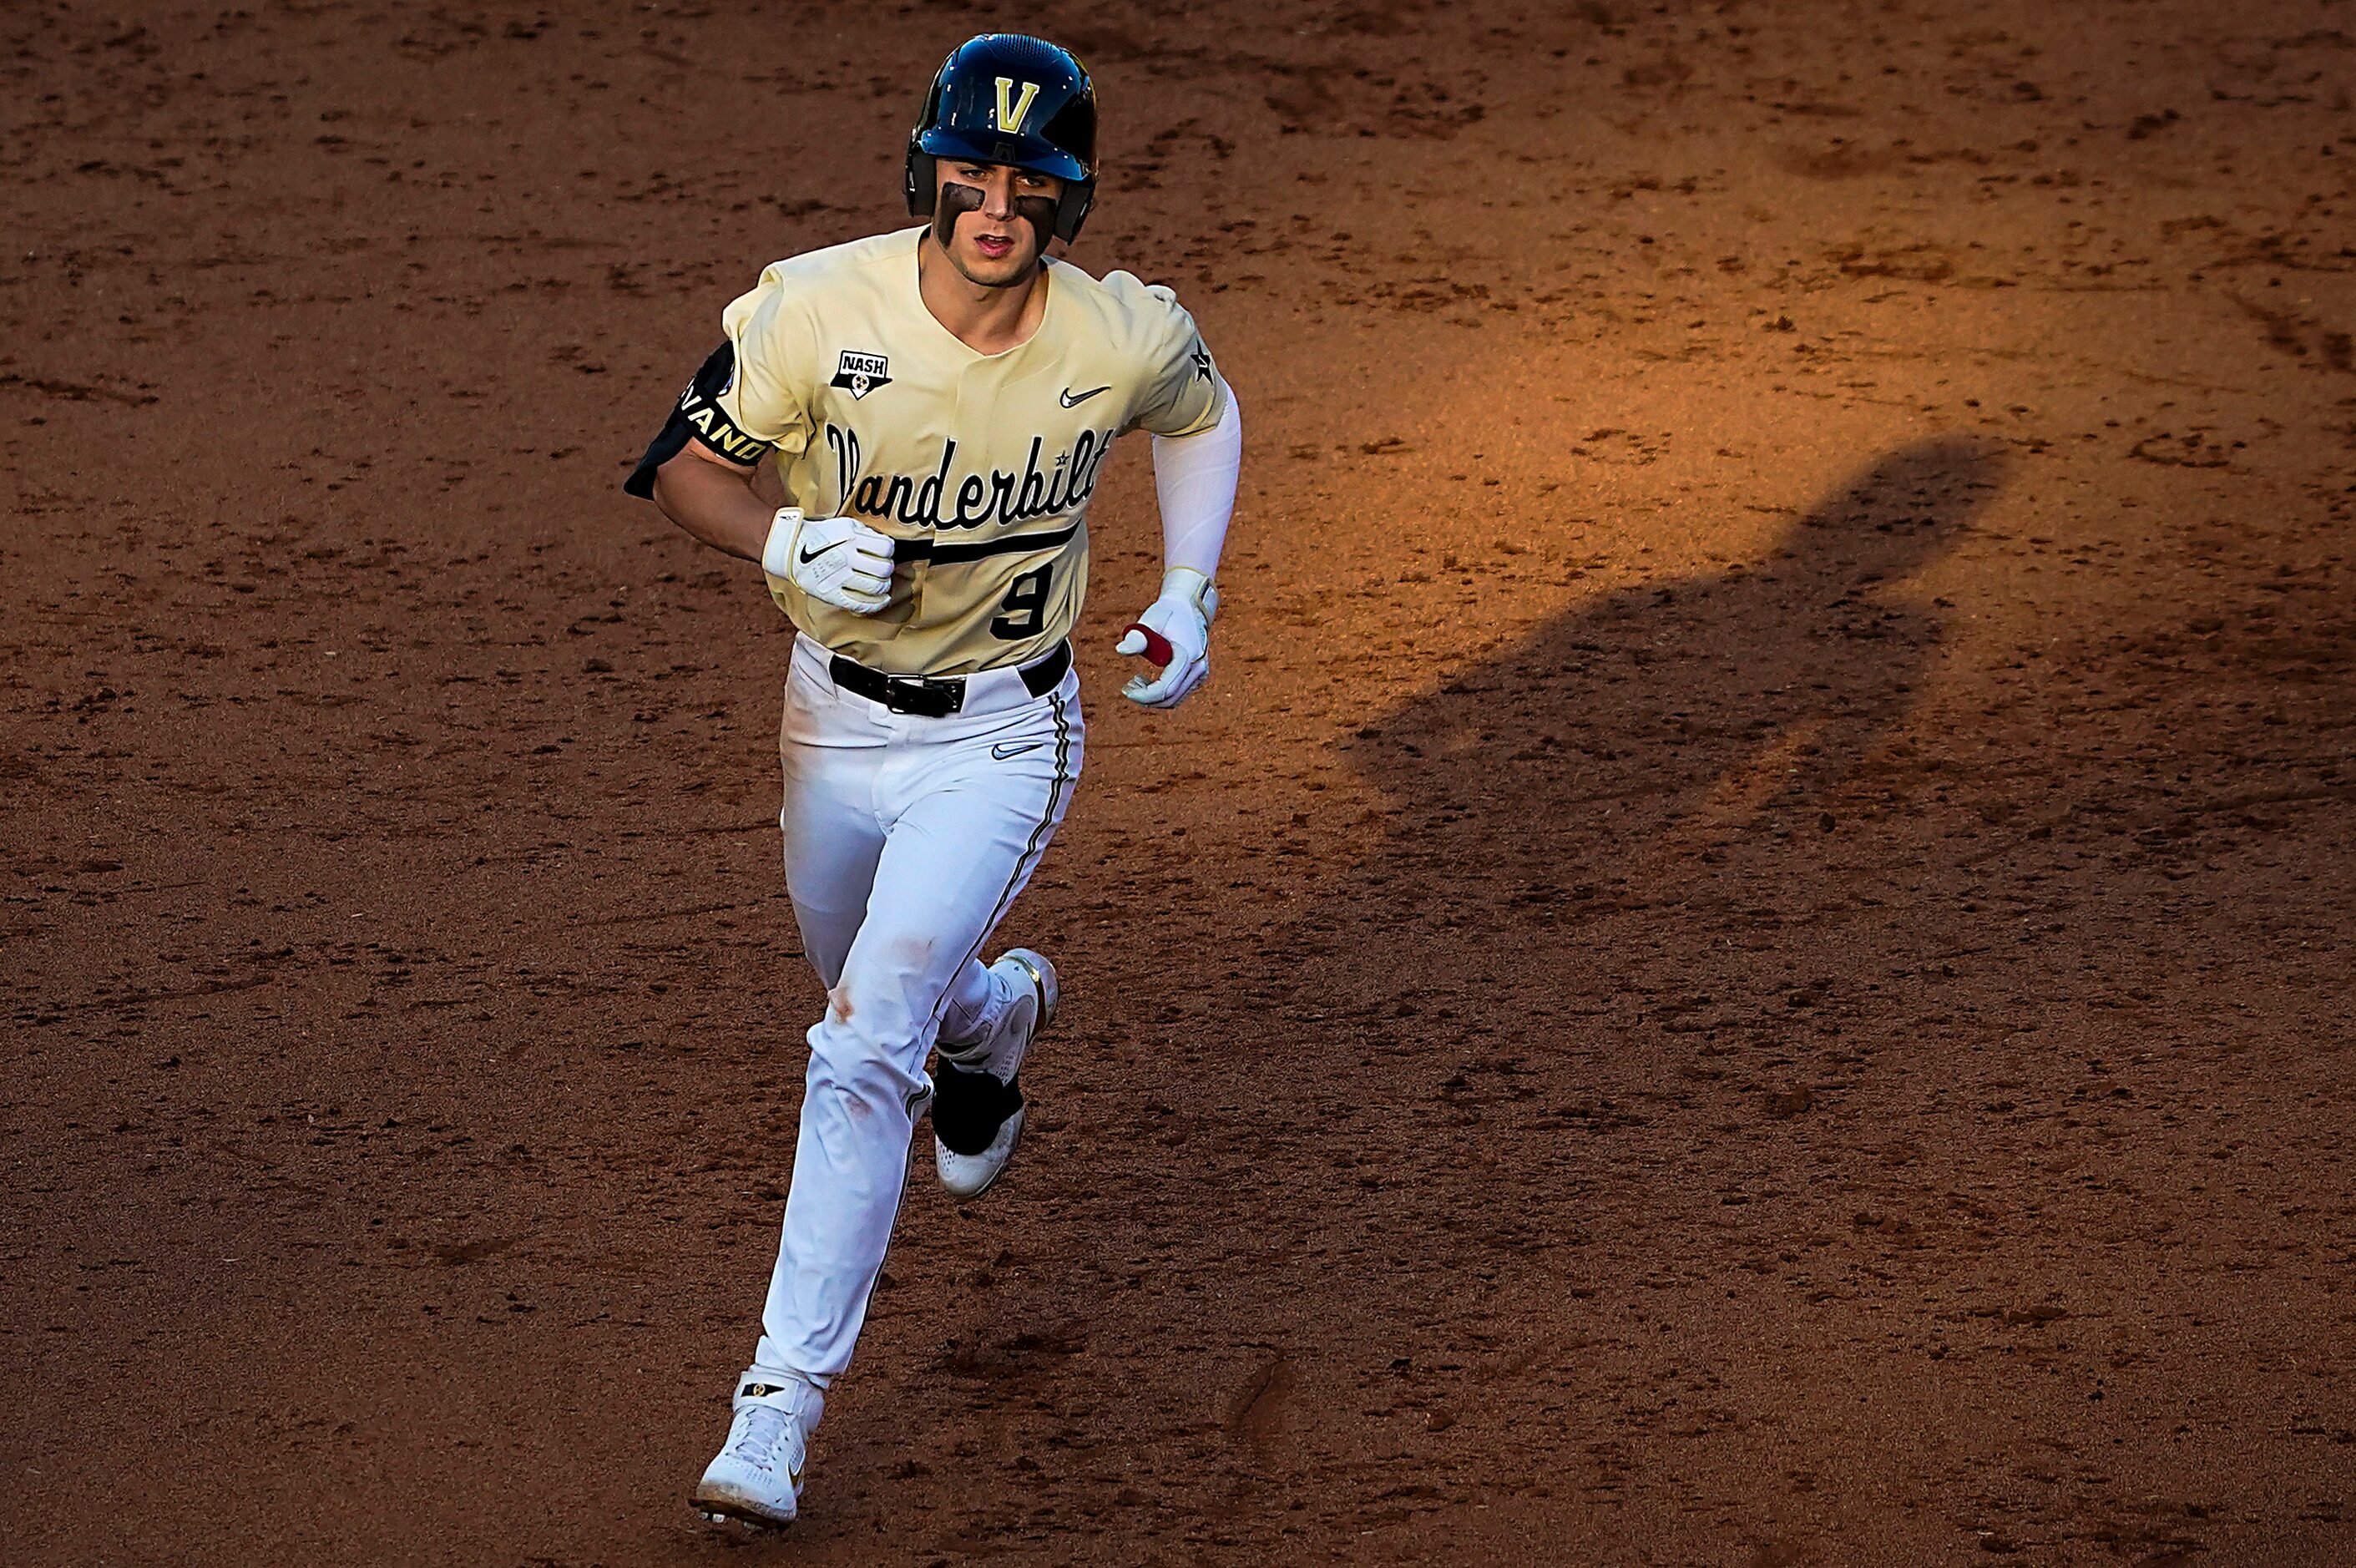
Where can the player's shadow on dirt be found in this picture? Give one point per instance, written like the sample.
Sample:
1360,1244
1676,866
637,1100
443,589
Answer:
1624,749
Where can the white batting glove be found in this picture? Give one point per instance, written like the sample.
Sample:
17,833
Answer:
837,560
1174,633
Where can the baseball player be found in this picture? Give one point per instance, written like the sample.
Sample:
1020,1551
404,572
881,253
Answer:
938,404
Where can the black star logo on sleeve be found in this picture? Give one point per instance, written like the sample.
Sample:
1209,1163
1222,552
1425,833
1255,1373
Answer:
1202,362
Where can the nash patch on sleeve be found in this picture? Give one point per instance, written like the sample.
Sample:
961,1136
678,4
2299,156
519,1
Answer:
698,414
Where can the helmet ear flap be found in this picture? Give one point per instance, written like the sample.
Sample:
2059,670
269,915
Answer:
923,185
1071,210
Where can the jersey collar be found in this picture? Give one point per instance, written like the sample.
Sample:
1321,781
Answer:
974,355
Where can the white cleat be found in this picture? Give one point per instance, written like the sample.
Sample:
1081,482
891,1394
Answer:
977,1105
756,1479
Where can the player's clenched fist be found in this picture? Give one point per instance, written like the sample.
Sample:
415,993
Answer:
1174,633
837,561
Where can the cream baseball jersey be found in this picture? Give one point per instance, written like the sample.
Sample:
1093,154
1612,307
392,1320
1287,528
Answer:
980,465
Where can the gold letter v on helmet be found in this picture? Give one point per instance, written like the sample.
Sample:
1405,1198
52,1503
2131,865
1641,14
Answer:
1010,110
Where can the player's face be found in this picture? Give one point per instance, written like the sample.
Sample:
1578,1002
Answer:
993,220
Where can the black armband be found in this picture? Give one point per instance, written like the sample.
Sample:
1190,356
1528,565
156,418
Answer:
698,414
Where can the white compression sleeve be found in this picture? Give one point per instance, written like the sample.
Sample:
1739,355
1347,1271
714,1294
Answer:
1194,477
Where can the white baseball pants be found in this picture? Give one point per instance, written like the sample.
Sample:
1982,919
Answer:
906,839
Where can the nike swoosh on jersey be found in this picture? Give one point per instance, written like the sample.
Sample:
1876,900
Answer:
1003,751
811,555
1071,402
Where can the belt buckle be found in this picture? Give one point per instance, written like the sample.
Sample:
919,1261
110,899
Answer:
923,696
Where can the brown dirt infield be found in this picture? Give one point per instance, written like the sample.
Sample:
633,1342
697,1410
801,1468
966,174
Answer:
1743,963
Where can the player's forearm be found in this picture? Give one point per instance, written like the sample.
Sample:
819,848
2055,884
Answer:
715,505
1194,477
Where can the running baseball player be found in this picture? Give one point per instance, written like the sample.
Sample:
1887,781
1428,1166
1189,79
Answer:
938,404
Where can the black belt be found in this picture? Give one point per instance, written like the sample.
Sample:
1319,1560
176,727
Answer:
939,696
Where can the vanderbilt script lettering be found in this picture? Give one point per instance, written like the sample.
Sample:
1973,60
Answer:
999,496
